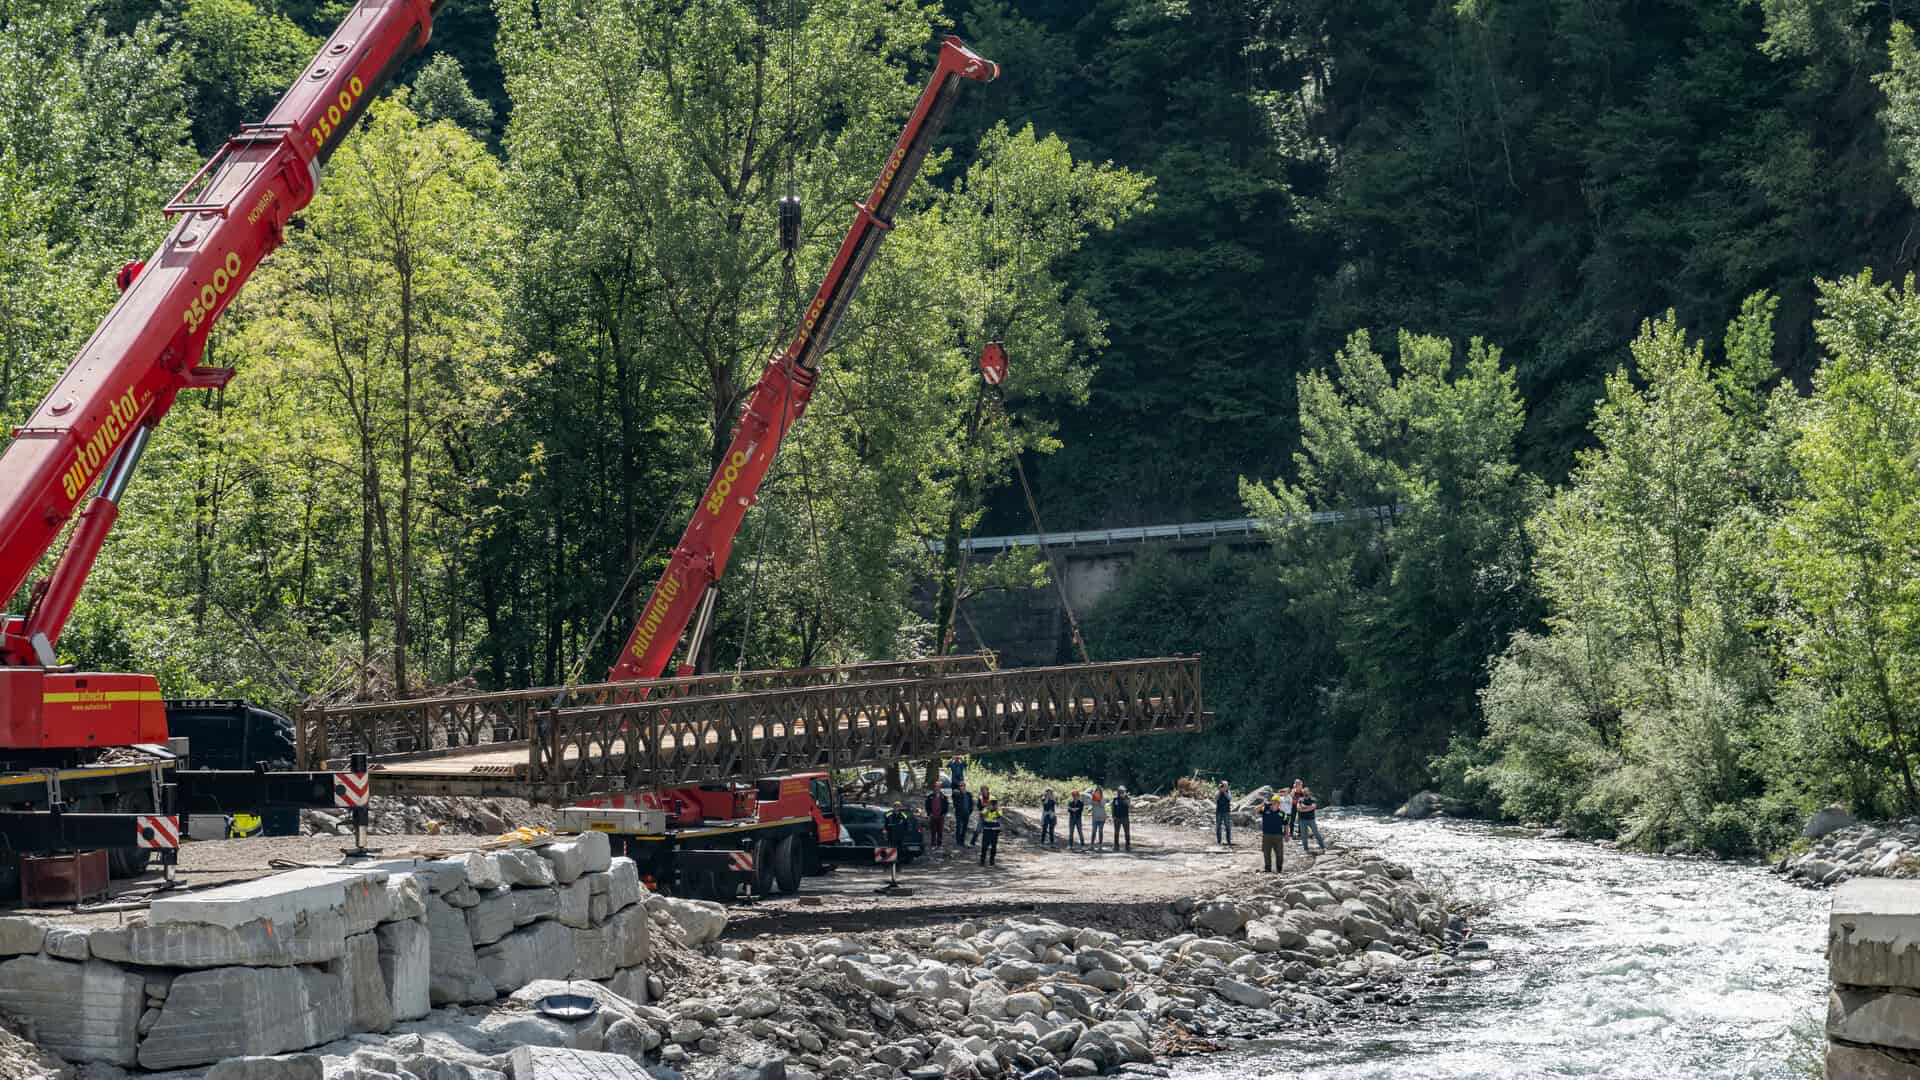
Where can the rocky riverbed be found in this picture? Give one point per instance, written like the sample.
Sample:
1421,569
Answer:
1843,848
1007,996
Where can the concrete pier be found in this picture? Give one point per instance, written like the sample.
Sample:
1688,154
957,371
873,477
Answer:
1873,961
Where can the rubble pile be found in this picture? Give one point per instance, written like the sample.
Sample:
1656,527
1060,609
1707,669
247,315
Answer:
1843,848
1190,806
455,815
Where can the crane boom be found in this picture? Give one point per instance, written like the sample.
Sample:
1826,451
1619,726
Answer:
91,428
691,579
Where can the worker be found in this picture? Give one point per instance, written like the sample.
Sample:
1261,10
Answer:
937,805
957,769
896,823
1097,809
1076,806
1273,836
1047,817
962,810
1223,815
989,832
1304,806
1122,811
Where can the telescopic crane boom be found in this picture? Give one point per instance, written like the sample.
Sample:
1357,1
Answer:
90,430
690,584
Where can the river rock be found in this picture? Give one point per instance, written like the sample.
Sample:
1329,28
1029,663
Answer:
287,1067
1826,820
1219,916
1268,935
1241,993
1421,806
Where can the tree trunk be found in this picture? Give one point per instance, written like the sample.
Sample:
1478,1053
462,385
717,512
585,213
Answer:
402,610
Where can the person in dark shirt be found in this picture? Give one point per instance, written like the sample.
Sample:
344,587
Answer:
962,810
1223,815
1076,806
937,806
1047,818
1122,812
1273,836
896,824
1304,806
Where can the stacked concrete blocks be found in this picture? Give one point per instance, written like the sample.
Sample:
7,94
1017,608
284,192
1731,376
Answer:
303,958
1873,961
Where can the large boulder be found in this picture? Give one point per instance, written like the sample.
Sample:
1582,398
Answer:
541,951
1827,820
586,853
21,935
289,1067
406,967
1423,805
557,1063
700,921
370,1007
1219,916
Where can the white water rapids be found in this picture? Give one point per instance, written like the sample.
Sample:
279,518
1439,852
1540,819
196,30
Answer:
1601,964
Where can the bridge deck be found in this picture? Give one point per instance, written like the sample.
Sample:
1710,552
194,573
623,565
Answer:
583,750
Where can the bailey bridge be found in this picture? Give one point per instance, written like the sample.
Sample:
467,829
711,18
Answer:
564,743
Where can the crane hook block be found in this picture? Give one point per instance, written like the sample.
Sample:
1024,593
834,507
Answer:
789,222
127,273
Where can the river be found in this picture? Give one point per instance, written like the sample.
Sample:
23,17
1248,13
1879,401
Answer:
1601,964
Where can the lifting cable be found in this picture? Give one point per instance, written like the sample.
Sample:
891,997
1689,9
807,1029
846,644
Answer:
1053,568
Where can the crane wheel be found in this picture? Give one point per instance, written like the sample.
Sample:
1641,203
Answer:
766,859
786,864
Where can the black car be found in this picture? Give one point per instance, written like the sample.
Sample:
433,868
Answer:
863,827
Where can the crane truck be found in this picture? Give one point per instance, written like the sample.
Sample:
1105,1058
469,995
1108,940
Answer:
60,790
716,839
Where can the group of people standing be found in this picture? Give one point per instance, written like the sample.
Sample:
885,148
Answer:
1289,812
1094,806
962,806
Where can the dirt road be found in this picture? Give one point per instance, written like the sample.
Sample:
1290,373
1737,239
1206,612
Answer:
1105,888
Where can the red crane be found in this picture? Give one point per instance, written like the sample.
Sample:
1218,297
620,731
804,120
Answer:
690,583
91,429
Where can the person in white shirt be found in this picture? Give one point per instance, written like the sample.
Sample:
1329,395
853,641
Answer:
1286,807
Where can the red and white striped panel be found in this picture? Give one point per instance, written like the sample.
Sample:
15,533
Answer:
157,831
351,789
886,854
741,861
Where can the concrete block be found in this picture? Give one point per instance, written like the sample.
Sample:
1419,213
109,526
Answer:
1887,1018
630,983
454,972
82,1012
555,1063
312,938
623,883
1873,933
406,896
1847,1062
541,951
359,969
576,904
592,959
492,918
289,1067
21,935
629,938
483,870
406,967
279,899
577,855
532,905
245,1011
68,944
525,868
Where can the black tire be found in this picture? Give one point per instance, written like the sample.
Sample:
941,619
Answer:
701,885
122,862
786,864
9,877
766,859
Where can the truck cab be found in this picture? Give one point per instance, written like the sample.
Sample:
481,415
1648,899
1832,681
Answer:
809,795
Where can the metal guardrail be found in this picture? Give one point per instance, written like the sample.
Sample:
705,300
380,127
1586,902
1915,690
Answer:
426,727
1230,529
614,748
